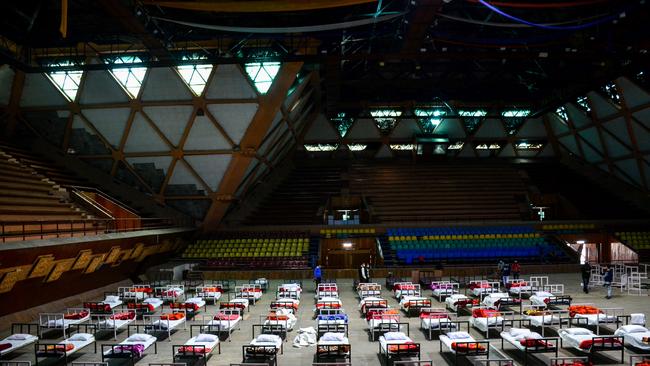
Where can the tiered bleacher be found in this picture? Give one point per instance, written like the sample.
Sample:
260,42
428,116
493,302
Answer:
297,199
445,191
470,244
252,250
639,240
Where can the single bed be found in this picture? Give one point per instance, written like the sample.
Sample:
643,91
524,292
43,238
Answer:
62,321
191,306
372,303
368,290
281,317
251,292
202,346
585,340
333,346
264,347
397,346
479,288
437,320
462,344
166,322
21,337
328,303
596,316
442,289
636,336
225,322
485,319
208,293
171,293
114,322
519,288
64,348
132,348
406,289
135,292
456,302
381,321
291,304
412,305
529,342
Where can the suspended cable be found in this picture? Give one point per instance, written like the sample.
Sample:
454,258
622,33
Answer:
571,4
512,25
550,27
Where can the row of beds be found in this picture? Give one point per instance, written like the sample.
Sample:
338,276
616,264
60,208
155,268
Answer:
141,311
493,309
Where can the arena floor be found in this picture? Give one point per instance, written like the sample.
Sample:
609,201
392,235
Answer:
365,352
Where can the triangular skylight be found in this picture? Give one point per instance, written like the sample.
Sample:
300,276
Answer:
562,113
430,118
611,92
129,77
385,119
583,103
342,123
472,118
262,74
66,81
514,118
195,76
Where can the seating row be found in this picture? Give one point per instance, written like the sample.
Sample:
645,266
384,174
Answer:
460,230
636,239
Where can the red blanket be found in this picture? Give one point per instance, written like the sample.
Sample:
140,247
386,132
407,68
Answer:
229,317
123,316
485,313
405,347
587,343
195,349
464,347
76,316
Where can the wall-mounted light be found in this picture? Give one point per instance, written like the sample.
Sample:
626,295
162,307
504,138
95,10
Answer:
580,242
347,245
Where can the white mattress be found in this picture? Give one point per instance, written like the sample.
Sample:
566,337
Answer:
225,324
406,299
168,324
574,341
238,300
491,299
448,341
538,298
196,300
450,300
150,340
374,323
515,341
78,345
153,301
594,319
480,290
134,295
18,343
383,343
444,291
368,299
115,323
483,324
288,324
216,295
212,345
250,295
112,304
520,289
634,339
540,320
344,342
64,323
434,323
277,344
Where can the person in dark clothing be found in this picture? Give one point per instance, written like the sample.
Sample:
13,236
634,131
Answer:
608,277
505,273
516,269
362,273
586,276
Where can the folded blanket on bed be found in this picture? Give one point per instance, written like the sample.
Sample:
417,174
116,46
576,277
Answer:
123,316
226,317
485,313
185,305
474,285
464,347
537,312
583,310
404,347
94,306
516,284
433,316
76,316
146,290
172,316
533,342
194,349
147,307
372,313
588,343
59,347
136,349
212,289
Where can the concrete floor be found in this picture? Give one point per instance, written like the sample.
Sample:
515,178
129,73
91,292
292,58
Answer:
364,352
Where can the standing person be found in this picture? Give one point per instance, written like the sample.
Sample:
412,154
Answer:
317,275
516,269
500,268
608,277
586,276
505,273
368,272
361,273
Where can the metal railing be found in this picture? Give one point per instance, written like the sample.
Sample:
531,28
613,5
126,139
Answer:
11,231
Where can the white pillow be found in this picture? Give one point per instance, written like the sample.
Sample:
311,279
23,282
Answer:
518,332
395,336
633,329
332,337
80,337
139,337
267,338
19,337
112,298
207,338
578,331
458,335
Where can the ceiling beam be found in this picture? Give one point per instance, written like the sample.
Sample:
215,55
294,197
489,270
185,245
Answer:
131,24
270,104
419,24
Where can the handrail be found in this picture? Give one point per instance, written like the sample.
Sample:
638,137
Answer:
35,229
99,192
79,194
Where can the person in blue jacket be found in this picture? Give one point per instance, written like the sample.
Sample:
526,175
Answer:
317,275
608,277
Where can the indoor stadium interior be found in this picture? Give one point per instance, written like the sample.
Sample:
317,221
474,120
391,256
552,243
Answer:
324,182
